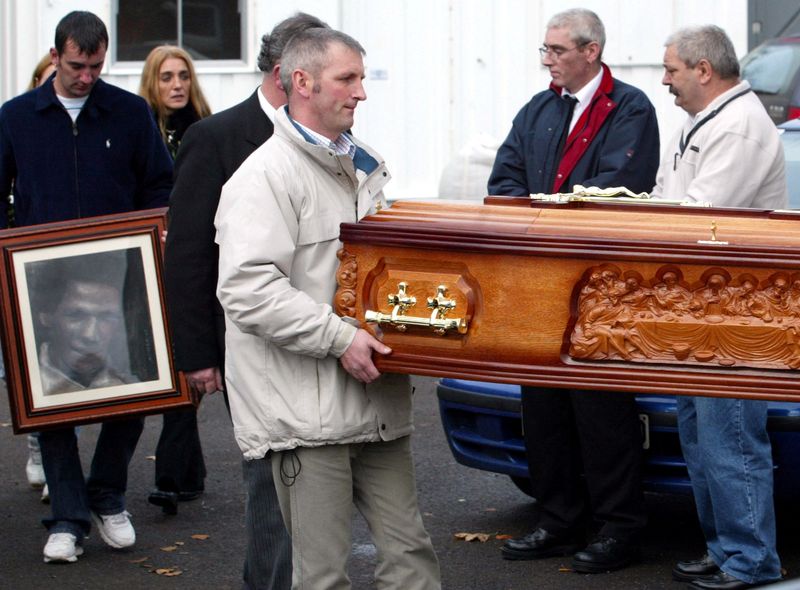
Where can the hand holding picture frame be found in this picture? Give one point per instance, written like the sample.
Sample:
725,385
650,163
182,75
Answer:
84,327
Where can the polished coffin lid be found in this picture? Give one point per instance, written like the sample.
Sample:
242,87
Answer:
643,298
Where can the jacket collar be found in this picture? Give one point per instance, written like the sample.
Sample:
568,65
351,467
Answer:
365,158
259,126
100,98
586,129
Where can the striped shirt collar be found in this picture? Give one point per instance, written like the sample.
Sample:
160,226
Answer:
342,146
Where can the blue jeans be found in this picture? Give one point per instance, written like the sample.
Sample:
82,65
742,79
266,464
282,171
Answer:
72,496
729,458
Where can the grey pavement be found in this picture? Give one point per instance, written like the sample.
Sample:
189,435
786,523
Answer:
453,499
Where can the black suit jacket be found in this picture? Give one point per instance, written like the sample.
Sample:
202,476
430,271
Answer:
210,152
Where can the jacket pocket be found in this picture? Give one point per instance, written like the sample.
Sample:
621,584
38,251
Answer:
321,227
687,163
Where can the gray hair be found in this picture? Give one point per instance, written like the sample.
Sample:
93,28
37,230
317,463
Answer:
707,42
273,44
584,26
308,51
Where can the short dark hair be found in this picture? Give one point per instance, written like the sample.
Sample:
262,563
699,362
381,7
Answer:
273,44
84,29
48,280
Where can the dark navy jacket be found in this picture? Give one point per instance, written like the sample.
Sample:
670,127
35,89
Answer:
624,151
112,160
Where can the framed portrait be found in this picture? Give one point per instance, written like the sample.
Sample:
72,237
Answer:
84,327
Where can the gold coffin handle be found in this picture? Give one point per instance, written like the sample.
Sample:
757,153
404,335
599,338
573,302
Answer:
440,326
438,322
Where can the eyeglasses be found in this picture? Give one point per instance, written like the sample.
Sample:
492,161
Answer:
557,52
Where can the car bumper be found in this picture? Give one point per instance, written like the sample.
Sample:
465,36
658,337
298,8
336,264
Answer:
484,430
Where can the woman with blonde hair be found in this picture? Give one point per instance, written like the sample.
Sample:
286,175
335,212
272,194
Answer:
43,70
170,86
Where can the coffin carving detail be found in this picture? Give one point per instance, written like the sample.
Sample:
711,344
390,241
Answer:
723,320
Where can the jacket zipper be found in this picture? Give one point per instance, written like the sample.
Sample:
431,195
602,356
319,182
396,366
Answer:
75,163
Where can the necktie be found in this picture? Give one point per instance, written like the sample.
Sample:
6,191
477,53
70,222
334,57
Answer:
570,101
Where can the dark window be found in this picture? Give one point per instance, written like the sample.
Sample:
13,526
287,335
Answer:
207,29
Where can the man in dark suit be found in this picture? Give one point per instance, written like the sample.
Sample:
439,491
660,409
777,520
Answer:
211,151
584,449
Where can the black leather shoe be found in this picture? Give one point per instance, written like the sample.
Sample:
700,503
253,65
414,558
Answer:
605,554
697,569
539,544
189,496
721,581
167,500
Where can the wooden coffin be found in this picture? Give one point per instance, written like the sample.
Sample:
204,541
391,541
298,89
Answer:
644,298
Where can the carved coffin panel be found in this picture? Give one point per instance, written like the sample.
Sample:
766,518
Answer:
720,320
633,298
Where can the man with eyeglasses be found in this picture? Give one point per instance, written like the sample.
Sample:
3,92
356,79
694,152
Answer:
726,153
583,448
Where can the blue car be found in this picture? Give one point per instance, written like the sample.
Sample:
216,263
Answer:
483,425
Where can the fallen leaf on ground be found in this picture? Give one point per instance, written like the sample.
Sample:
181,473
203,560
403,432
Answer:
142,560
503,537
564,568
200,537
170,548
180,543
469,537
168,571
490,510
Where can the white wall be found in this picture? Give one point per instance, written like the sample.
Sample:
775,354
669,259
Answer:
439,71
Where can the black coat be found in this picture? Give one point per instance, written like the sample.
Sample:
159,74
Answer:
211,151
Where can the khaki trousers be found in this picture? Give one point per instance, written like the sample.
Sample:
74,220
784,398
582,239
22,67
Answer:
317,489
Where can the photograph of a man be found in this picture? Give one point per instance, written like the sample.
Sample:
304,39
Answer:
80,321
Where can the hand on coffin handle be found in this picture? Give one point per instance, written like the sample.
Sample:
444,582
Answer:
357,359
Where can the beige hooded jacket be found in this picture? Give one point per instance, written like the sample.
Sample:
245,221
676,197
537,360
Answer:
278,234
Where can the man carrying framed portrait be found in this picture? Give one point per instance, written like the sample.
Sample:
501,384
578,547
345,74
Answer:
72,148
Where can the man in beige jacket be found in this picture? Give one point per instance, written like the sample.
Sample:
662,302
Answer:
301,380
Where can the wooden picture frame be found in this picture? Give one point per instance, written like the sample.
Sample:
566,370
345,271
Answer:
84,323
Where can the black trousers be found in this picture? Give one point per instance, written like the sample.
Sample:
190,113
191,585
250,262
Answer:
180,466
585,454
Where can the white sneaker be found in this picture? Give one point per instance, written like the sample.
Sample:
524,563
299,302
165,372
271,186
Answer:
115,529
33,468
62,547
45,495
